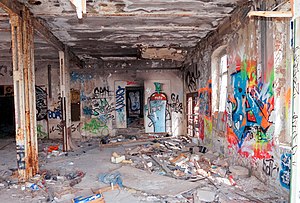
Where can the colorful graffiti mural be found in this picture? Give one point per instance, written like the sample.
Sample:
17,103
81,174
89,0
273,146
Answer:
203,107
99,108
157,107
250,111
95,126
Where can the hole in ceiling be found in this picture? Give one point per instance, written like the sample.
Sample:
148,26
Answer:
37,3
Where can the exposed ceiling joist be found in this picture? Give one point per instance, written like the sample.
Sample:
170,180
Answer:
15,7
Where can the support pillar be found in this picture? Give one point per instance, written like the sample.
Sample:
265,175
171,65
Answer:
24,94
65,99
295,106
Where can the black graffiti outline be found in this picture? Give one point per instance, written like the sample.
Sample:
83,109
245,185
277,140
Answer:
41,103
120,98
175,105
103,91
269,166
192,77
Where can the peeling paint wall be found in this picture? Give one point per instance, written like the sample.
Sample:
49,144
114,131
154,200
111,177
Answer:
255,130
103,101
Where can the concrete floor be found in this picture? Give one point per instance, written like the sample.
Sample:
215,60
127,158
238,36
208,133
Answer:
89,158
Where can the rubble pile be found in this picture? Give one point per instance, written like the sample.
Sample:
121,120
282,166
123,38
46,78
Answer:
182,159
178,158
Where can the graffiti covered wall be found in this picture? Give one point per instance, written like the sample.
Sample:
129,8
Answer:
255,130
257,107
106,108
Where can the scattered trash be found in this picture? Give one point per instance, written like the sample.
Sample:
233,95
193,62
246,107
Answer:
109,188
111,178
231,180
32,186
116,158
53,148
97,198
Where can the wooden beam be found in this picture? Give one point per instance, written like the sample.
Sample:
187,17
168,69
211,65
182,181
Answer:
15,7
271,14
45,33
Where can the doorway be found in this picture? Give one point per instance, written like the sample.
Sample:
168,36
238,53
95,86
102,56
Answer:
7,109
134,107
192,114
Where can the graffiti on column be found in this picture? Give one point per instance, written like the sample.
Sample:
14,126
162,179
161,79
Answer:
285,172
157,104
21,156
41,103
250,112
120,107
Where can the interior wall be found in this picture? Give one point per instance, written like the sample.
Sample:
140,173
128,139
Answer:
103,103
258,101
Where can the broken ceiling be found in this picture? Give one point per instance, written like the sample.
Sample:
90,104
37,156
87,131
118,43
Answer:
114,29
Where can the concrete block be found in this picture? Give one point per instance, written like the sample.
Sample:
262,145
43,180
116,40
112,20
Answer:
239,172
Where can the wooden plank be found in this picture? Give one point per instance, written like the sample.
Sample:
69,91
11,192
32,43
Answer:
271,14
164,167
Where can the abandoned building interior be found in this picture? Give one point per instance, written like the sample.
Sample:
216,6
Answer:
149,101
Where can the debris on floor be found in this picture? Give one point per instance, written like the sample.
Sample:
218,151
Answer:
96,198
111,178
173,170
109,141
